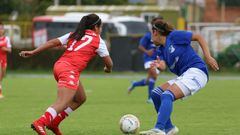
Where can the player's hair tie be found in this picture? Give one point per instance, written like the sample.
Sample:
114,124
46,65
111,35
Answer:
158,29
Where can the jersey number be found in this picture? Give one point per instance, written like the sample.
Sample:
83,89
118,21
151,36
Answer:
87,39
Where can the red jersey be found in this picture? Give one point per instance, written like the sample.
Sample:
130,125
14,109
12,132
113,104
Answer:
4,42
79,53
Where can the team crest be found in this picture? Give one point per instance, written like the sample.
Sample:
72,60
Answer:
171,49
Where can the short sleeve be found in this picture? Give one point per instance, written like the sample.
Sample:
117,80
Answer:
102,49
8,42
181,37
64,39
144,41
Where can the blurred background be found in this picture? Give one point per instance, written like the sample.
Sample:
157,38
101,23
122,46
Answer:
29,23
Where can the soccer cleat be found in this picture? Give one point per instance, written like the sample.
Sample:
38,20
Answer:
39,128
150,101
130,88
54,129
173,131
153,131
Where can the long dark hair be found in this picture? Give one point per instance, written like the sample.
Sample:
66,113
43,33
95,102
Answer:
162,27
156,18
87,22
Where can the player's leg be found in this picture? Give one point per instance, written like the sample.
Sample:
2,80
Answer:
142,82
78,100
65,96
167,98
164,111
2,74
156,97
191,82
1,96
152,77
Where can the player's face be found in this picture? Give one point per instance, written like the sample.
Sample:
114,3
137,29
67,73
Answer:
156,37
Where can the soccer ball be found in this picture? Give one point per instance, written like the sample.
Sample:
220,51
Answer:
129,124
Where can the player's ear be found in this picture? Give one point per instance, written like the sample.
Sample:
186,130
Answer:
97,29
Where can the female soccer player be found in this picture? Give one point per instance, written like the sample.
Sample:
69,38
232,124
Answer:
5,47
82,46
177,53
149,55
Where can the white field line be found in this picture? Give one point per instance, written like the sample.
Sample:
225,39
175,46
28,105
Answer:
217,77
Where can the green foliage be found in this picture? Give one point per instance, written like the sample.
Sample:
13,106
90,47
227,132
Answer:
25,8
230,56
230,3
30,8
213,111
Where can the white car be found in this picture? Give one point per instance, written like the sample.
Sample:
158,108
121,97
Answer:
127,25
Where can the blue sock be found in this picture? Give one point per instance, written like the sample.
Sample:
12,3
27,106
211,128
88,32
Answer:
168,125
165,109
156,97
140,83
151,84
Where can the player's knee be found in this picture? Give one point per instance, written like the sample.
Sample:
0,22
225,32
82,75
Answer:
167,95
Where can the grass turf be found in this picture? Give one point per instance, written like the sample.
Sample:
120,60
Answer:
213,111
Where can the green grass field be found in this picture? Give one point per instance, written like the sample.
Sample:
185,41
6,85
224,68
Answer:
215,110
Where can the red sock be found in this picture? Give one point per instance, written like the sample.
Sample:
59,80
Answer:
46,118
61,116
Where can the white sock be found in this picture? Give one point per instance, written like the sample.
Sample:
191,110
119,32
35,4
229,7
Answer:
68,110
52,111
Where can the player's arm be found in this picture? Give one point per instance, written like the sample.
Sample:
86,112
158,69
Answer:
49,44
108,64
104,54
203,44
8,47
143,43
148,52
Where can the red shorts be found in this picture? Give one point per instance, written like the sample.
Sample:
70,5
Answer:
66,75
3,64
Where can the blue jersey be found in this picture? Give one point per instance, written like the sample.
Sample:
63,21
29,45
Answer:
147,43
179,55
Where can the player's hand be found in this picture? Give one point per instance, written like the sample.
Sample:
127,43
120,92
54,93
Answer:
212,62
156,63
106,70
26,54
150,52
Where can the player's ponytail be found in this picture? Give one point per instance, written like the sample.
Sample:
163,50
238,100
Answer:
80,31
162,27
87,22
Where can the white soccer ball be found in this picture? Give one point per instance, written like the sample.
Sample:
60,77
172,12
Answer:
129,124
